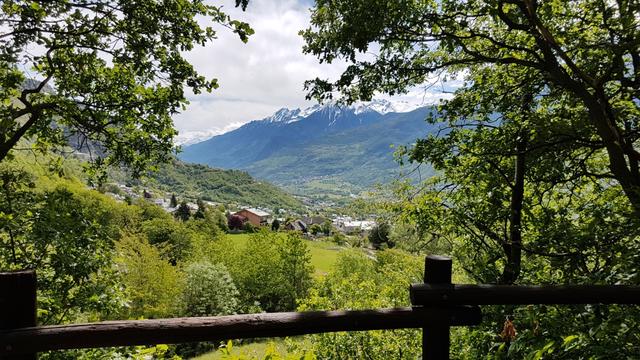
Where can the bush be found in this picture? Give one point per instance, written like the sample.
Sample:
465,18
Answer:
172,237
379,236
315,229
358,282
356,241
271,272
295,265
339,238
209,290
183,212
327,227
248,227
275,225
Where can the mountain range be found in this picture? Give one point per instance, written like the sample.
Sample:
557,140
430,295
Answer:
325,151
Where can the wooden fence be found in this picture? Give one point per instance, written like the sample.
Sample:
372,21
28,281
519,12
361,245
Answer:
436,306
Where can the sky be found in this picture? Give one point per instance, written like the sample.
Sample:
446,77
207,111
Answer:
259,77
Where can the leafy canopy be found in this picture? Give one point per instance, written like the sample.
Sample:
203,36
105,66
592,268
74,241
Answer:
106,72
583,55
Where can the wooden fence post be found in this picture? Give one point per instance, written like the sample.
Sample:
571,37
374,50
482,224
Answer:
435,335
17,306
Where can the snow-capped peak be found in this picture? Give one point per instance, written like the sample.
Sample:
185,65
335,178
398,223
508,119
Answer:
310,110
379,106
287,116
283,115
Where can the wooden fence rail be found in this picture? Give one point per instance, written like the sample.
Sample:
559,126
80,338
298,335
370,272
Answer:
168,331
437,305
438,295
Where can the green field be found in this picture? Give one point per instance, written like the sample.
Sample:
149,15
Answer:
251,350
324,254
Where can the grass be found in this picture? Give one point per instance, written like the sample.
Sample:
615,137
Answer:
324,254
252,350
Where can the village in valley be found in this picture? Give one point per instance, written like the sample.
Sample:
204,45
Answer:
246,218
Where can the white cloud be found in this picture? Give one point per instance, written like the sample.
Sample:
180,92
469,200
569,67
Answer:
262,76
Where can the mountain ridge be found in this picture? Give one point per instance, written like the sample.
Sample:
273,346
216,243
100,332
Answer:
347,146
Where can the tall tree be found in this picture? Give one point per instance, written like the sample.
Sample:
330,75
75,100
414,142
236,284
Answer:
110,72
183,212
584,54
295,262
201,211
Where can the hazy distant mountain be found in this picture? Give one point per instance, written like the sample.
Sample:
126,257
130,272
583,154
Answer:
325,148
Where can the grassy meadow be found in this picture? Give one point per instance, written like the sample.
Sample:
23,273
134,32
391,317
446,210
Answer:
324,254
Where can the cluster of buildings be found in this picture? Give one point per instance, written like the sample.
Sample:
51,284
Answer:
344,224
347,224
256,216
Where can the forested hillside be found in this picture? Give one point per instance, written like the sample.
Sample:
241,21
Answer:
222,186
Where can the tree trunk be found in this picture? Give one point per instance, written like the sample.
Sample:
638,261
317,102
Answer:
615,145
514,250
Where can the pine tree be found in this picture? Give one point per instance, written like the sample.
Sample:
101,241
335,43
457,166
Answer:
183,213
174,201
201,212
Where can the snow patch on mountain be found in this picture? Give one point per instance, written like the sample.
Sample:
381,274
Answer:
380,106
283,115
330,110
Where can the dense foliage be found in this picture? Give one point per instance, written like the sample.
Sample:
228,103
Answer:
536,161
98,258
209,290
271,271
65,232
153,285
359,282
117,68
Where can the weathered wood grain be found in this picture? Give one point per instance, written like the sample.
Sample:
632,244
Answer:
163,331
443,294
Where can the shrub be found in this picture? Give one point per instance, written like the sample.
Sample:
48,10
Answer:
209,290
275,225
358,282
339,238
379,236
183,212
172,237
248,227
315,229
270,271
295,264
